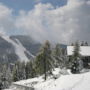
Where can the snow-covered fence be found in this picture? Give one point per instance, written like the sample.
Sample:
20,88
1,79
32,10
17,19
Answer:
22,87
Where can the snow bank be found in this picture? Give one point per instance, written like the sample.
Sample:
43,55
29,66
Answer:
67,82
63,82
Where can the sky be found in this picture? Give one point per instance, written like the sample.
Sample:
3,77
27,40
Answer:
29,4
62,21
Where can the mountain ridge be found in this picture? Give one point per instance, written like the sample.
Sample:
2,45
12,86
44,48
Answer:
19,47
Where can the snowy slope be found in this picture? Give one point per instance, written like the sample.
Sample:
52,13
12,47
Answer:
19,49
64,82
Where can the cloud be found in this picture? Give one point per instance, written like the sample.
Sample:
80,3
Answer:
6,20
64,24
2,32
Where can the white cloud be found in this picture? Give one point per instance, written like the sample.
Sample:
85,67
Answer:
6,20
63,24
2,32
4,11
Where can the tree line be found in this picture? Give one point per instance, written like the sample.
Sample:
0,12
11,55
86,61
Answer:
44,63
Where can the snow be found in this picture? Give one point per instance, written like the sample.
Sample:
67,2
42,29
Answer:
84,50
19,48
37,79
67,82
23,48
63,82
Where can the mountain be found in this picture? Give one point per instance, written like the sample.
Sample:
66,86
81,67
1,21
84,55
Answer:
30,44
7,51
18,47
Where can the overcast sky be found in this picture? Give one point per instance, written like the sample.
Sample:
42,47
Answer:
61,21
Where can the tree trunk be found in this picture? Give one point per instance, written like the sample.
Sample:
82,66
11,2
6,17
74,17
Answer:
45,77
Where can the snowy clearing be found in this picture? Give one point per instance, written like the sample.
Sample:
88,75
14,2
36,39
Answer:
64,82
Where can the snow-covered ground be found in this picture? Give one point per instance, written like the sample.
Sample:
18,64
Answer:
63,82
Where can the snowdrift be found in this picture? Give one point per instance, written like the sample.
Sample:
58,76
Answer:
63,82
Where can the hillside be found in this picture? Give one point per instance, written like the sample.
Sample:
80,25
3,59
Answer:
63,82
18,47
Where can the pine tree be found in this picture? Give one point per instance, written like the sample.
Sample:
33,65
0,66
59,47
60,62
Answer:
1,85
21,69
75,58
82,44
44,61
32,70
60,57
86,44
76,52
57,55
29,69
72,44
39,64
6,77
15,74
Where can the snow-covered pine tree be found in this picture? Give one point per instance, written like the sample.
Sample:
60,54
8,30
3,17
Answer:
21,69
76,52
15,76
29,70
57,55
76,58
82,44
86,43
44,62
6,77
39,64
